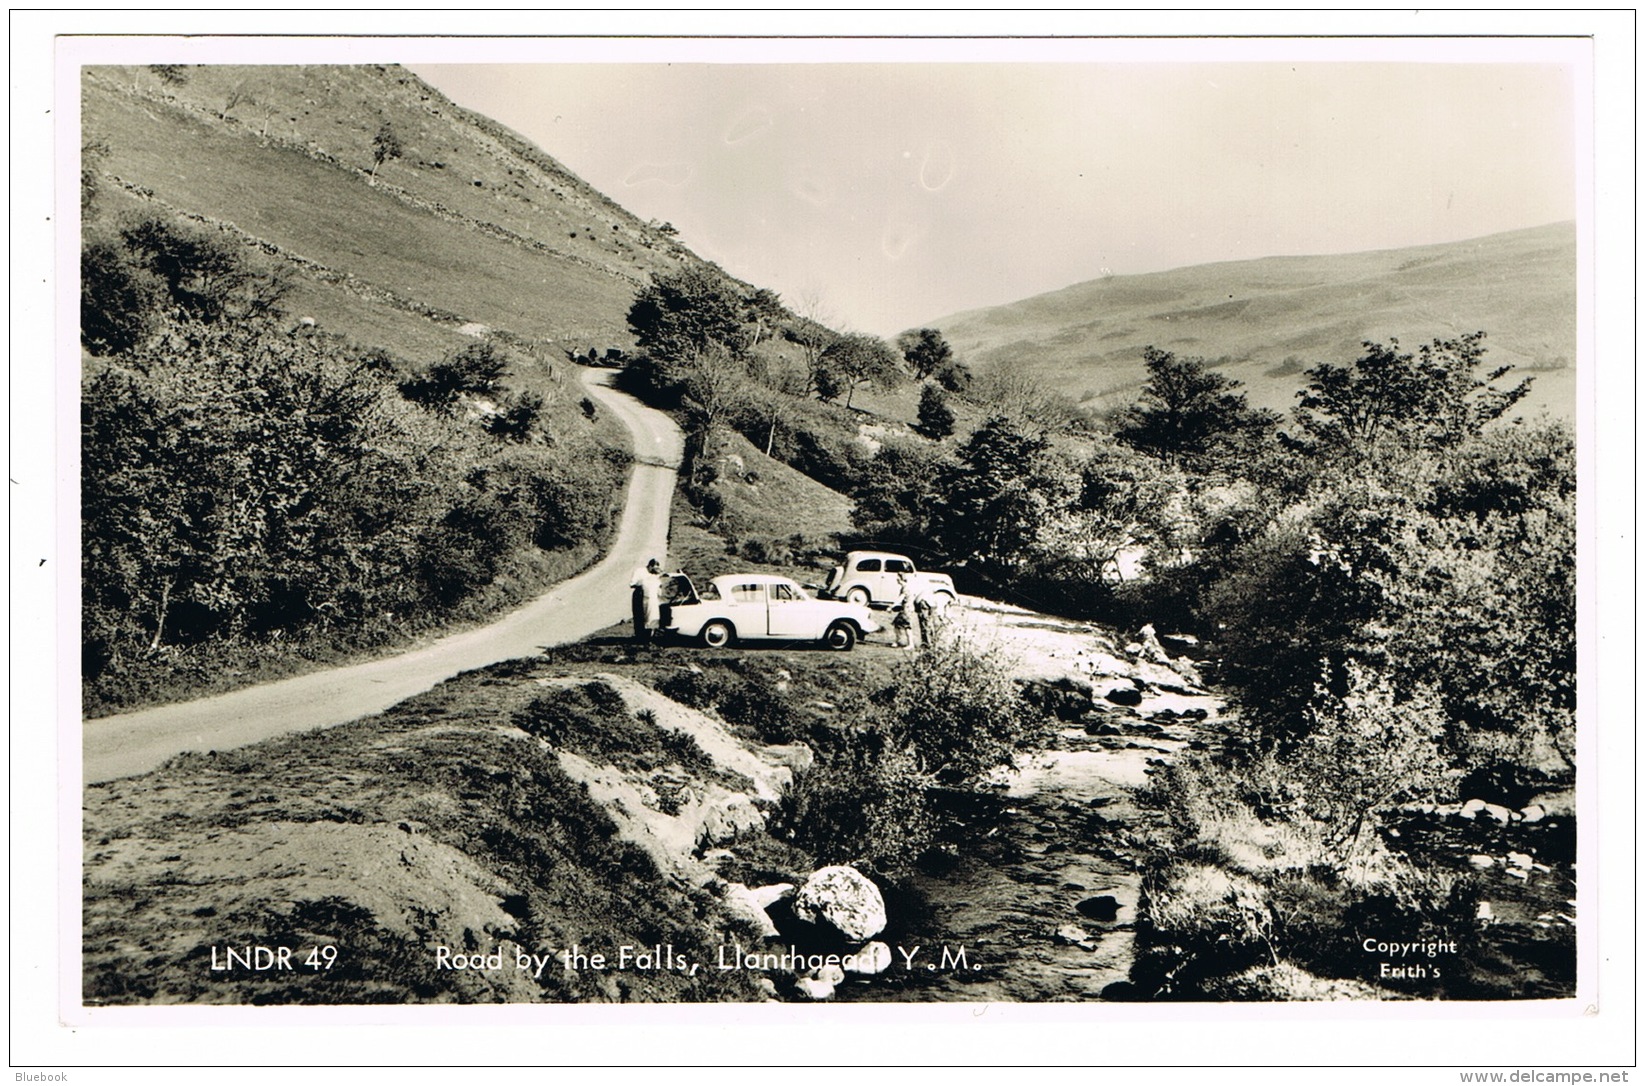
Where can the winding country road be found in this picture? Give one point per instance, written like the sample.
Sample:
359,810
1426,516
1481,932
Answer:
131,743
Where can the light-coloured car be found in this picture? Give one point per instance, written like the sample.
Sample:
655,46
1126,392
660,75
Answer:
869,578
761,607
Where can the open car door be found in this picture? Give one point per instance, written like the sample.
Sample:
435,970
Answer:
676,590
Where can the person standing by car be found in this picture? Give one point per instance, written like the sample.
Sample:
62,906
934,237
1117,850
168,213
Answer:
646,600
928,612
906,624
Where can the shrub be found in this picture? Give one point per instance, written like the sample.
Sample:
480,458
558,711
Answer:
1364,754
119,300
702,689
476,369
864,805
958,709
747,698
518,419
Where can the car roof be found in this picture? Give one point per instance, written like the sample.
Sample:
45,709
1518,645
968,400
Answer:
878,554
752,578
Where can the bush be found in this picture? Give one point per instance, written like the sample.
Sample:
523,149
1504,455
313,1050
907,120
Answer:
958,710
864,805
119,300
476,369
240,484
1365,753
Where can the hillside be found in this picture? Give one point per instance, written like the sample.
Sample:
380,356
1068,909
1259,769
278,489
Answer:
401,247
468,225
1266,321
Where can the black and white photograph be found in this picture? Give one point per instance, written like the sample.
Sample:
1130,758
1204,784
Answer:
796,523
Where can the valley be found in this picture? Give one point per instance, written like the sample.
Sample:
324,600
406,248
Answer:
1268,568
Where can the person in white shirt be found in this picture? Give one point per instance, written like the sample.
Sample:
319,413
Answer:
647,600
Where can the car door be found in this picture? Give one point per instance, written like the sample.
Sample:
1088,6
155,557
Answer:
895,567
787,613
869,576
745,606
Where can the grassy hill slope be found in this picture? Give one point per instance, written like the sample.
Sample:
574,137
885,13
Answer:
469,225
1266,321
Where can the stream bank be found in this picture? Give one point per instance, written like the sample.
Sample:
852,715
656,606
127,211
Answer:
1032,895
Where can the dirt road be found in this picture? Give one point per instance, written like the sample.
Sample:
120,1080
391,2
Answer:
131,743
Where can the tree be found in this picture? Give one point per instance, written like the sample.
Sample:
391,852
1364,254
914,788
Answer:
1003,486
385,145
1024,399
687,313
936,417
119,299
206,278
955,376
857,359
1432,399
810,332
1186,409
765,312
1128,500
714,385
925,351
897,492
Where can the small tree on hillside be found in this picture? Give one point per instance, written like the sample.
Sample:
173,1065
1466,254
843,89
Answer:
925,351
476,369
1186,408
1433,399
855,360
766,313
936,417
955,376
385,145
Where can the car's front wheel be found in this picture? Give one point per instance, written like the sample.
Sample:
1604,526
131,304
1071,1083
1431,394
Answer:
841,637
718,634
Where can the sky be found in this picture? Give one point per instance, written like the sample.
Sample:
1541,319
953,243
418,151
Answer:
885,195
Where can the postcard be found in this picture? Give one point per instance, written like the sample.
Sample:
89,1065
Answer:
1080,529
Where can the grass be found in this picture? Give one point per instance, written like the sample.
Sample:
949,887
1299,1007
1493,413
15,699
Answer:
358,230
435,824
765,504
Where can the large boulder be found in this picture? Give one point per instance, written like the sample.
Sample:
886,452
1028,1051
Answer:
843,899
